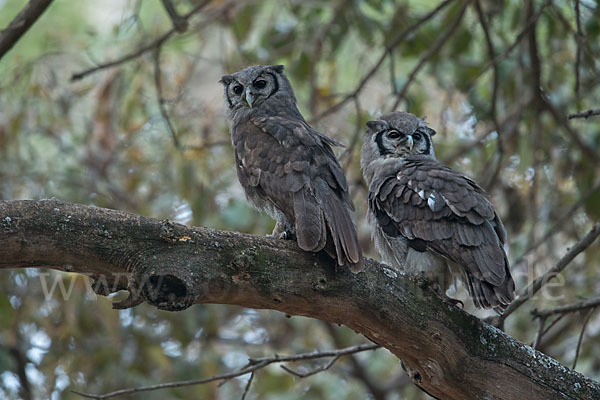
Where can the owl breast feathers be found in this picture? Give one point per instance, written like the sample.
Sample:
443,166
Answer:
286,168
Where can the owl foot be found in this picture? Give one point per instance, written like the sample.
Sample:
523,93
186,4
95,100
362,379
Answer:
282,231
442,294
454,302
285,235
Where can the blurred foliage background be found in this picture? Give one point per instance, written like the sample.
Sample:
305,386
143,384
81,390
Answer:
496,79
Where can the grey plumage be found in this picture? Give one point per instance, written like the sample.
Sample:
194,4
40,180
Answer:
288,169
428,218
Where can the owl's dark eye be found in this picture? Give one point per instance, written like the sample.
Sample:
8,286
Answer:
260,83
238,89
393,134
417,136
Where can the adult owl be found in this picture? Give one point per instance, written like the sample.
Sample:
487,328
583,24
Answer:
429,219
288,169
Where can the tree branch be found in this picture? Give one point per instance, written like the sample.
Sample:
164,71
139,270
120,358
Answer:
161,100
137,53
447,352
180,24
399,39
430,53
533,288
21,24
569,308
585,114
254,364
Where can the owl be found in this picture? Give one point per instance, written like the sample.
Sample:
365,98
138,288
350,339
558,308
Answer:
429,219
288,169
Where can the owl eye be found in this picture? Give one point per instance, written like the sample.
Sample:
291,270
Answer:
393,134
417,136
238,89
260,83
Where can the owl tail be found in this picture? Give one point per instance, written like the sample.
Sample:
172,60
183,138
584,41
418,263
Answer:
314,219
486,295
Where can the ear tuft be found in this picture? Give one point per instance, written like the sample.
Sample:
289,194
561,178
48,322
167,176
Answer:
430,131
277,68
226,79
376,126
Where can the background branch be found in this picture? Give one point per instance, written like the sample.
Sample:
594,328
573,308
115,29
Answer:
585,114
399,39
569,308
173,266
142,50
180,24
254,364
21,24
528,292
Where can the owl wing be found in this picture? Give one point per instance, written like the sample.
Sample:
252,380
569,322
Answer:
295,168
436,208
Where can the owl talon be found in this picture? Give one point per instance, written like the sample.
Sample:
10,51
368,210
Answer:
455,302
287,235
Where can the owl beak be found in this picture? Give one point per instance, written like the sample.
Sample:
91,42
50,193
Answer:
407,142
249,97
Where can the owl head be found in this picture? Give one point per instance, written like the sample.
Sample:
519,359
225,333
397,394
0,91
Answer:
397,135
251,87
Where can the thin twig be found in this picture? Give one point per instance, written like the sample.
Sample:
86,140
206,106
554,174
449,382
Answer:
432,51
347,155
463,149
528,25
561,119
494,106
492,54
540,332
578,40
247,389
254,364
314,371
558,225
556,320
377,392
533,288
543,102
396,42
317,51
580,340
160,98
21,24
137,53
585,114
569,308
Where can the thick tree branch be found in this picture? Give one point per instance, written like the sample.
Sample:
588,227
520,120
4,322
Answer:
21,24
447,352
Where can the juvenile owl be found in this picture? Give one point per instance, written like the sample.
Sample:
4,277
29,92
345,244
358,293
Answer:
288,169
429,219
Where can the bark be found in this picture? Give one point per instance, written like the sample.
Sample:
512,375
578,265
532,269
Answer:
447,352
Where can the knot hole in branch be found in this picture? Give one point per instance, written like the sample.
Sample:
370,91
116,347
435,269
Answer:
167,292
